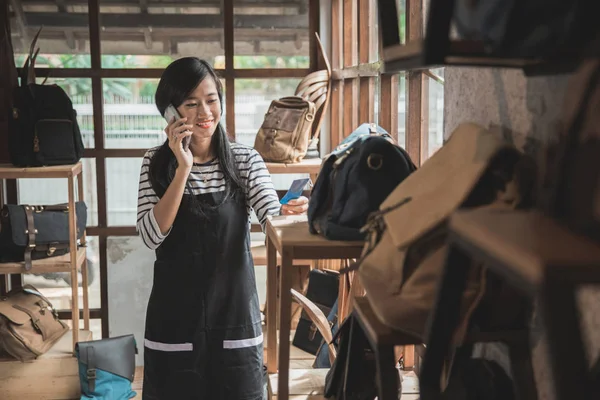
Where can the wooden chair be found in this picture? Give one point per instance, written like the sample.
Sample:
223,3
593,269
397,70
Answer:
316,87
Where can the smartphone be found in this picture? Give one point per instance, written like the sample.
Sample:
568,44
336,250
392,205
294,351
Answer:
170,113
295,190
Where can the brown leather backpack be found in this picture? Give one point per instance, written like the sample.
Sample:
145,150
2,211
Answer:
286,130
405,251
29,325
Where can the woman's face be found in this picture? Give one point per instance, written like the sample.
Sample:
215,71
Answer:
202,109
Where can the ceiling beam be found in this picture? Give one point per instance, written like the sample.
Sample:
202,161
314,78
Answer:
69,20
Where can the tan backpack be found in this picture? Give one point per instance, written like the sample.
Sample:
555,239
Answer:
29,325
405,250
286,130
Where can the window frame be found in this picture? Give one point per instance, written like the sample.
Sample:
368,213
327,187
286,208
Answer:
97,73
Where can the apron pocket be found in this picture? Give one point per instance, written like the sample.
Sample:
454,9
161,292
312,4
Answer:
169,372
242,376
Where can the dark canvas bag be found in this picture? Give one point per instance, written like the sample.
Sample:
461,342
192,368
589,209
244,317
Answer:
107,367
354,179
34,232
43,128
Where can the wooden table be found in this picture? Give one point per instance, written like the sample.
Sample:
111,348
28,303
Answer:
289,236
540,258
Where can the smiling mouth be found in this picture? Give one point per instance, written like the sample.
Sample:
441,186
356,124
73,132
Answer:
205,124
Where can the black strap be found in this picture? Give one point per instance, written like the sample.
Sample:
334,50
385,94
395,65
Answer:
91,369
30,231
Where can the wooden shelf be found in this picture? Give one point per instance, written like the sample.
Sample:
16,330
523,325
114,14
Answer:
414,56
310,166
436,47
53,375
523,246
51,264
8,171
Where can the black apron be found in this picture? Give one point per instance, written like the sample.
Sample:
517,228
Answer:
203,335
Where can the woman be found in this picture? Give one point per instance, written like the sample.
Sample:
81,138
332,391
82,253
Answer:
203,335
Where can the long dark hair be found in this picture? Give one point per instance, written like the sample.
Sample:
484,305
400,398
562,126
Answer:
177,83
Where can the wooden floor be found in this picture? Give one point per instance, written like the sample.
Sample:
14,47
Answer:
305,382
410,386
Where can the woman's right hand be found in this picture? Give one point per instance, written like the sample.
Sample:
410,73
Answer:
176,131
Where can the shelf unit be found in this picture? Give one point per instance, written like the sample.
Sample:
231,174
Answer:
76,258
437,49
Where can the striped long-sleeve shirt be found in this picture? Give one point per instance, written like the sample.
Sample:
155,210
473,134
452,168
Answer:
207,178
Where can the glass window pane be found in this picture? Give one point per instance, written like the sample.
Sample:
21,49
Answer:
95,327
376,102
64,39
436,112
130,266
271,35
252,100
55,191
131,119
152,34
401,8
122,180
374,35
402,102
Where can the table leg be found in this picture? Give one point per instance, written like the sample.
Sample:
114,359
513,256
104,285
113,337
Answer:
271,307
387,374
73,253
285,305
567,354
444,319
84,275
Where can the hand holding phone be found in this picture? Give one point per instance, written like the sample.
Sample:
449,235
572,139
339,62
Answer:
171,115
295,190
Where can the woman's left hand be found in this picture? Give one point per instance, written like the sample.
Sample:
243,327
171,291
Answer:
295,206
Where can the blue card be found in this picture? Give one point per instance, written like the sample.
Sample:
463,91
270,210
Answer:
295,190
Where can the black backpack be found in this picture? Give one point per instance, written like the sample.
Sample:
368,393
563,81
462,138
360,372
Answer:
43,128
353,182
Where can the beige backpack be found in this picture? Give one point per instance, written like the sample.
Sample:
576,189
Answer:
285,132
405,250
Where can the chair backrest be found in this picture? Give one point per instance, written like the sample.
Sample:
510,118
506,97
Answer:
316,87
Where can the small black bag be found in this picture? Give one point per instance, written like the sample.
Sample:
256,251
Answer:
354,180
43,125
353,373
323,287
35,232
